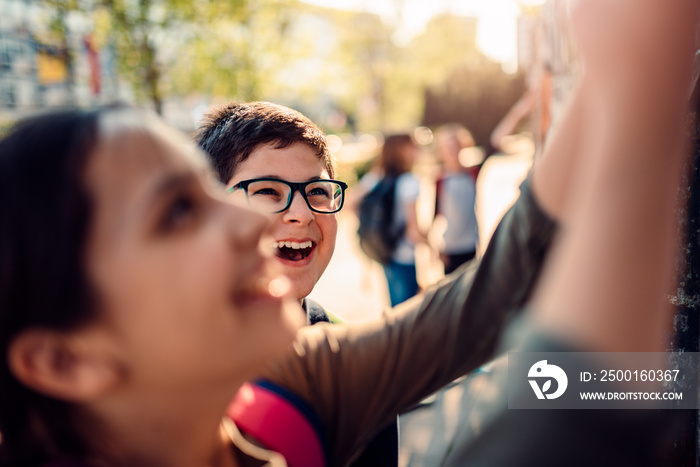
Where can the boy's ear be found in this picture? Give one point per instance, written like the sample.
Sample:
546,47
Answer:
60,365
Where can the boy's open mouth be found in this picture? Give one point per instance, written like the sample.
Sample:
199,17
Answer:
294,251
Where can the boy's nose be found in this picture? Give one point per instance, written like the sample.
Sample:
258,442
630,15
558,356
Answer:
298,210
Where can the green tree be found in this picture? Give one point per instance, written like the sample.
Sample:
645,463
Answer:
146,34
141,29
366,57
235,53
391,78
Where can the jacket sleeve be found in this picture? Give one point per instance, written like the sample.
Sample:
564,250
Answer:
358,377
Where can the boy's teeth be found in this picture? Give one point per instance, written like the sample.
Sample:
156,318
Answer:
294,245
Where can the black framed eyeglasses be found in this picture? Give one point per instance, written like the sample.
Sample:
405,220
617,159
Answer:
273,195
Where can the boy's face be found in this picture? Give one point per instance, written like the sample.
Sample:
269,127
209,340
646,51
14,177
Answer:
304,240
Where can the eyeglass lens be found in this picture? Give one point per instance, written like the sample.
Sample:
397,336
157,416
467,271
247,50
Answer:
274,196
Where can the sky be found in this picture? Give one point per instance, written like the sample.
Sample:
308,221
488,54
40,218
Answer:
496,35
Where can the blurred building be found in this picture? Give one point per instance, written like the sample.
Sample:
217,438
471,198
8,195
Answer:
50,59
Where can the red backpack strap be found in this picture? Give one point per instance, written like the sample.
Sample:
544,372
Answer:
281,421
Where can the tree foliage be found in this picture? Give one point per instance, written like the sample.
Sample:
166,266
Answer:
234,53
319,60
146,34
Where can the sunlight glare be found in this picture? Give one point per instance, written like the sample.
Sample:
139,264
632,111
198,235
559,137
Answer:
496,32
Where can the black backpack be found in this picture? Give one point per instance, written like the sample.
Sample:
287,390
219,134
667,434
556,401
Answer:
377,233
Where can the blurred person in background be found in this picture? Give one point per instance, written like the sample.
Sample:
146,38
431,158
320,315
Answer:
455,195
397,158
393,169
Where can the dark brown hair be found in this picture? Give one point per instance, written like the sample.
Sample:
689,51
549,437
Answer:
45,213
391,159
229,134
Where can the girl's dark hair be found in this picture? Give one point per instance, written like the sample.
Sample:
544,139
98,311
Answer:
391,159
229,134
45,212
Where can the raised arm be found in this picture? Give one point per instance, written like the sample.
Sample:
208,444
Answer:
608,280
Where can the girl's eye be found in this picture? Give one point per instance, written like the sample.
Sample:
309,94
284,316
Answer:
180,210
